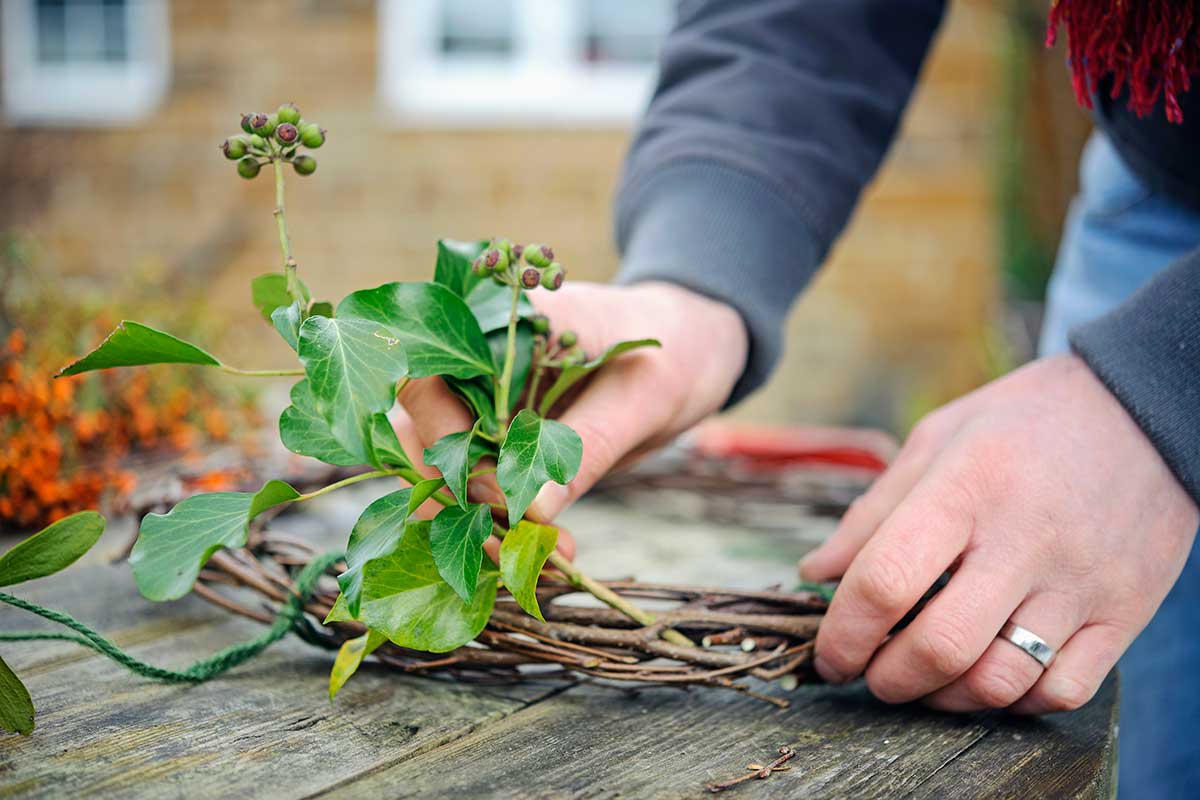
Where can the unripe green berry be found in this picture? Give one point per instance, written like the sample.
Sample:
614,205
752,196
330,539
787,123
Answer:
540,323
495,259
258,124
553,276
573,358
246,123
531,277
480,267
567,339
272,124
234,148
288,112
305,165
538,255
287,133
517,250
311,135
248,167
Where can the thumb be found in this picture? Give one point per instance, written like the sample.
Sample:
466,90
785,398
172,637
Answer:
618,411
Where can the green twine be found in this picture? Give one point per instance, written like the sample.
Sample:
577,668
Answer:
289,616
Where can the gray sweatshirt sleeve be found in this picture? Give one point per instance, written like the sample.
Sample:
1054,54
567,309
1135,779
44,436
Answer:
1147,352
768,119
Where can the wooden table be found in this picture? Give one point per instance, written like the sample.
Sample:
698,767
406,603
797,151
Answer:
268,730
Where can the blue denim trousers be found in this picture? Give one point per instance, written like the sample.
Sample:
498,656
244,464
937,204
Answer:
1117,235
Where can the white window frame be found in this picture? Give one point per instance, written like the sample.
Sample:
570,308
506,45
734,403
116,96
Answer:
541,85
86,94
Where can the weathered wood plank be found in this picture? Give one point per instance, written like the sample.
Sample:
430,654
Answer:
264,728
591,742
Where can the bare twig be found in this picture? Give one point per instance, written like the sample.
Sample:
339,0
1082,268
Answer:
785,754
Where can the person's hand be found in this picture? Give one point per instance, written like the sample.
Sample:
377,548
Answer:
1050,507
634,403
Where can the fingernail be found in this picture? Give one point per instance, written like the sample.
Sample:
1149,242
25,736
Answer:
807,563
550,500
827,673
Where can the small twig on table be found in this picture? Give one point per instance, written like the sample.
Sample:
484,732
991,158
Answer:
785,754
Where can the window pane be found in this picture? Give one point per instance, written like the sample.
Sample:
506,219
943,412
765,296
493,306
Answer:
477,27
51,31
625,31
81,30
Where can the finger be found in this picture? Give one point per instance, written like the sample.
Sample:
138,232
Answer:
952,631
1077,671
621,409
864,516
1005,673
435,410
914,546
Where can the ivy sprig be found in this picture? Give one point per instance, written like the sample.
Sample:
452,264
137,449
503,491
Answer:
421,584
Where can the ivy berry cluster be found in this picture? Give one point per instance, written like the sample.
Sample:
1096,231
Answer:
274,137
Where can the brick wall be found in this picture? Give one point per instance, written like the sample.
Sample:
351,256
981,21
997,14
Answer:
897,313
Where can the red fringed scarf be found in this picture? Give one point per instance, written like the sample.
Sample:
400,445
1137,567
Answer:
1151,46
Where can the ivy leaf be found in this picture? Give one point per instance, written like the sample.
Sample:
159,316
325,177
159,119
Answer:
133,344
498,341
453,269
491,304
477,394
570,375
406,599
456,540
535,451
269,292
305,432
352,369
523,553
376,533
454,455
16,706
51,549
350,658
321,308
171,548
286,320
436,328
386,446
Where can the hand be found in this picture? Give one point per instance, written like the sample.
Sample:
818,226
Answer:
637,402
1049,506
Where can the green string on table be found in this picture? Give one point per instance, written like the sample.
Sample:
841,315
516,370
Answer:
289,616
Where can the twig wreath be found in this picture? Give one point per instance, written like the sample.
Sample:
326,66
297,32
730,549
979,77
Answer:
420,595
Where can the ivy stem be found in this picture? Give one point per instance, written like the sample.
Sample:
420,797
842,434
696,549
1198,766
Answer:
510,356
261,373
285,242
483,471
538,369
364,476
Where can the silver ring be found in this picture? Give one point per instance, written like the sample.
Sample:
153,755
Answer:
1028,641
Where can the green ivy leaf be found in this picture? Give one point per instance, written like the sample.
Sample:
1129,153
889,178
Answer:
406,599
453,269
570,375
269,292
321,308
523,553
305,432
535,451
352,367
522,365
132,344
171,548
491,304
286,320
456,540
477,394
51,549
16,706
454,455
436,328
376,533
350,658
